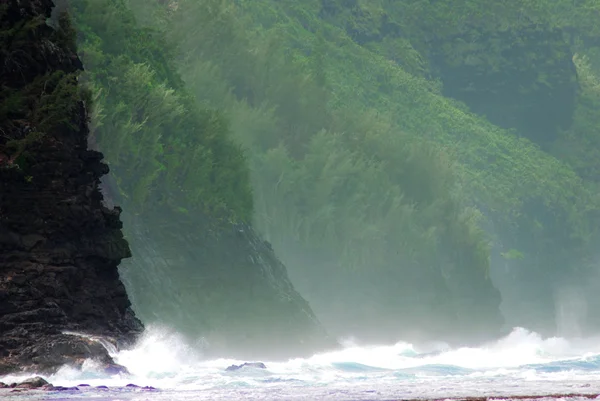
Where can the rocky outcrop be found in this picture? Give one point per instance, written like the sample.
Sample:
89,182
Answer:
257,365
59,246
34,382
220,282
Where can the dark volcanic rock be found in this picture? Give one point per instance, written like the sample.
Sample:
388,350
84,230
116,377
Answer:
62,388
258,365
113,369
59,247
35,382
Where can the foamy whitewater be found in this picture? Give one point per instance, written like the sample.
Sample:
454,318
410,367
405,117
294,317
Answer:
520,364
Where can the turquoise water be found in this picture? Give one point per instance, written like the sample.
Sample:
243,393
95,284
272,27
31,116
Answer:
522,363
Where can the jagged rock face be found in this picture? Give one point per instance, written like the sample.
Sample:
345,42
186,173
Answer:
59,247
219,282
522,78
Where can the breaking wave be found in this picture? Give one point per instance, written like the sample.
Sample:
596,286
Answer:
523,363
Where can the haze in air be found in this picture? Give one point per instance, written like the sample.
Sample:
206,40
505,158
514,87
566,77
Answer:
377,199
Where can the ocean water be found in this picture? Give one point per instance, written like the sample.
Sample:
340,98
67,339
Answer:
521,364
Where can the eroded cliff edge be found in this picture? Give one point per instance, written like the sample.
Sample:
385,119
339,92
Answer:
59,246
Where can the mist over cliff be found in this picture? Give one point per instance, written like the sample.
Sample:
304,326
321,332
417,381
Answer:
424,170
292,174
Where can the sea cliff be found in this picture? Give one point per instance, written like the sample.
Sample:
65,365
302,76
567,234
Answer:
60,247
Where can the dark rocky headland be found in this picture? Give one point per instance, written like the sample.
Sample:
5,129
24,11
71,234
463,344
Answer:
59,246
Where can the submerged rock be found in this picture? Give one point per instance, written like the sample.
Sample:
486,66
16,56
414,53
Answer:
258,365
114,369
61,388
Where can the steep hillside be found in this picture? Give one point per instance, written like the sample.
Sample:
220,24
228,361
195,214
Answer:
365,217
371,177
523,68
184,186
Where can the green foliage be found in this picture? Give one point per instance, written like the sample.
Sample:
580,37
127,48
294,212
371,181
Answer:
16,44
55,100
355,155
512,254
580,145
163,149
17,146
65,35
46,106
331,177
295,74
12,103
46,100
40,99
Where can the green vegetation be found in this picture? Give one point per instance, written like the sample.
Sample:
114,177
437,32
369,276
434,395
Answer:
164,150
580,145
333,179
381,185
36,106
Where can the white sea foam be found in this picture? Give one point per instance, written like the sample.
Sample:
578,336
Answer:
521,363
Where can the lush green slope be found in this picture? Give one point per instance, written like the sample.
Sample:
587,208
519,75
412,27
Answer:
361,162
366,217
198,265
385,195
165,150
543,214
514,64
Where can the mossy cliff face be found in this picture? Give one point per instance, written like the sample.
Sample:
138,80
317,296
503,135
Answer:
59,246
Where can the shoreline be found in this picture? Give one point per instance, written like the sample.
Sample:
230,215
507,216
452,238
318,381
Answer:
48,391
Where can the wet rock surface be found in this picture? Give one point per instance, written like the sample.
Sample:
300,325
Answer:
35,382
258,365
40,384
59,247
